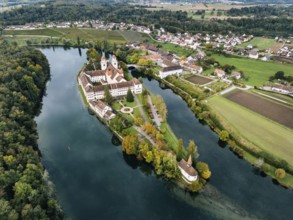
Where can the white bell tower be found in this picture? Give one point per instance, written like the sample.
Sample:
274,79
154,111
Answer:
114,61
103,63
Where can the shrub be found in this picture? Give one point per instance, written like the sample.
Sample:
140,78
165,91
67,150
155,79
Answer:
280,173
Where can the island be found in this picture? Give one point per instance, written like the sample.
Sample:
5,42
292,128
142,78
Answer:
139,120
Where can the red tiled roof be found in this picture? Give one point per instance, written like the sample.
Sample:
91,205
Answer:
187,167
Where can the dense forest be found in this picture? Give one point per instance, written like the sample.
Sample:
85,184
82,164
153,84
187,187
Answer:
178,21
262,11
25,191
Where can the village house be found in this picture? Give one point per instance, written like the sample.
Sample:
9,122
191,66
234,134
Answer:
219,73
103,110
253,54
189,174
282,88
93,83
236,75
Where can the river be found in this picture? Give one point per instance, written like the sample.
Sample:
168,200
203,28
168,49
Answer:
94,180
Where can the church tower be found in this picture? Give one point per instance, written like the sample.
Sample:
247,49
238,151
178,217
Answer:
103,62
114,61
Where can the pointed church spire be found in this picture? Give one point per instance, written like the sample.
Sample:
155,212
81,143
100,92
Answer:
189,162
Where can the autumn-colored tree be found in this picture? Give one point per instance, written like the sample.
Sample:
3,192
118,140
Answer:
192,149
224,135
280,173
143,148
138,120
203,170
170,168
130,144
161,106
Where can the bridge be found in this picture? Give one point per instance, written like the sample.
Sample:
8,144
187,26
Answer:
132,66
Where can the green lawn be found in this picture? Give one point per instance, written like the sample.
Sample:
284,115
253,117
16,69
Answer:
72,33
258,71
268,135
261,43
173,48
129,104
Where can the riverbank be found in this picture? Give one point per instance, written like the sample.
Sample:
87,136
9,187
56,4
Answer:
241,147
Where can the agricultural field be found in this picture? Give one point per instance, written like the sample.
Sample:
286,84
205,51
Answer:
42,32
193,7
283,99
258,71
261,43
266,108
268,135
73,34
133,36
198,80
211,10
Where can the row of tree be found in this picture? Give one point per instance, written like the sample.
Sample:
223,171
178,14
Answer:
25,191
262,11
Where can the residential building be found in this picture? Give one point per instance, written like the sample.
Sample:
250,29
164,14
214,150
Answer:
282,88
253,54
219,73
236,75
103,110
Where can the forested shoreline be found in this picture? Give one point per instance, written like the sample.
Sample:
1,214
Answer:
172,21
25,189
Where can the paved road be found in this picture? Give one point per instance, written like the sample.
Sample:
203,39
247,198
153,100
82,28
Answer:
145,135
156,116
140,108
227,90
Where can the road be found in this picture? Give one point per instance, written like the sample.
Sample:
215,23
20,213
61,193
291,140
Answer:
140,108
145,135
154,111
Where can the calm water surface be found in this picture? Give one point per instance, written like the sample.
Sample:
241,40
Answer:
94,180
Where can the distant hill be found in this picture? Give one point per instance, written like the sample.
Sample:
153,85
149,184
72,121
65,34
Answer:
225,1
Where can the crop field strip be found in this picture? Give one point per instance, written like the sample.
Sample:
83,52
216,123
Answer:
257,129
264,107
199,80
